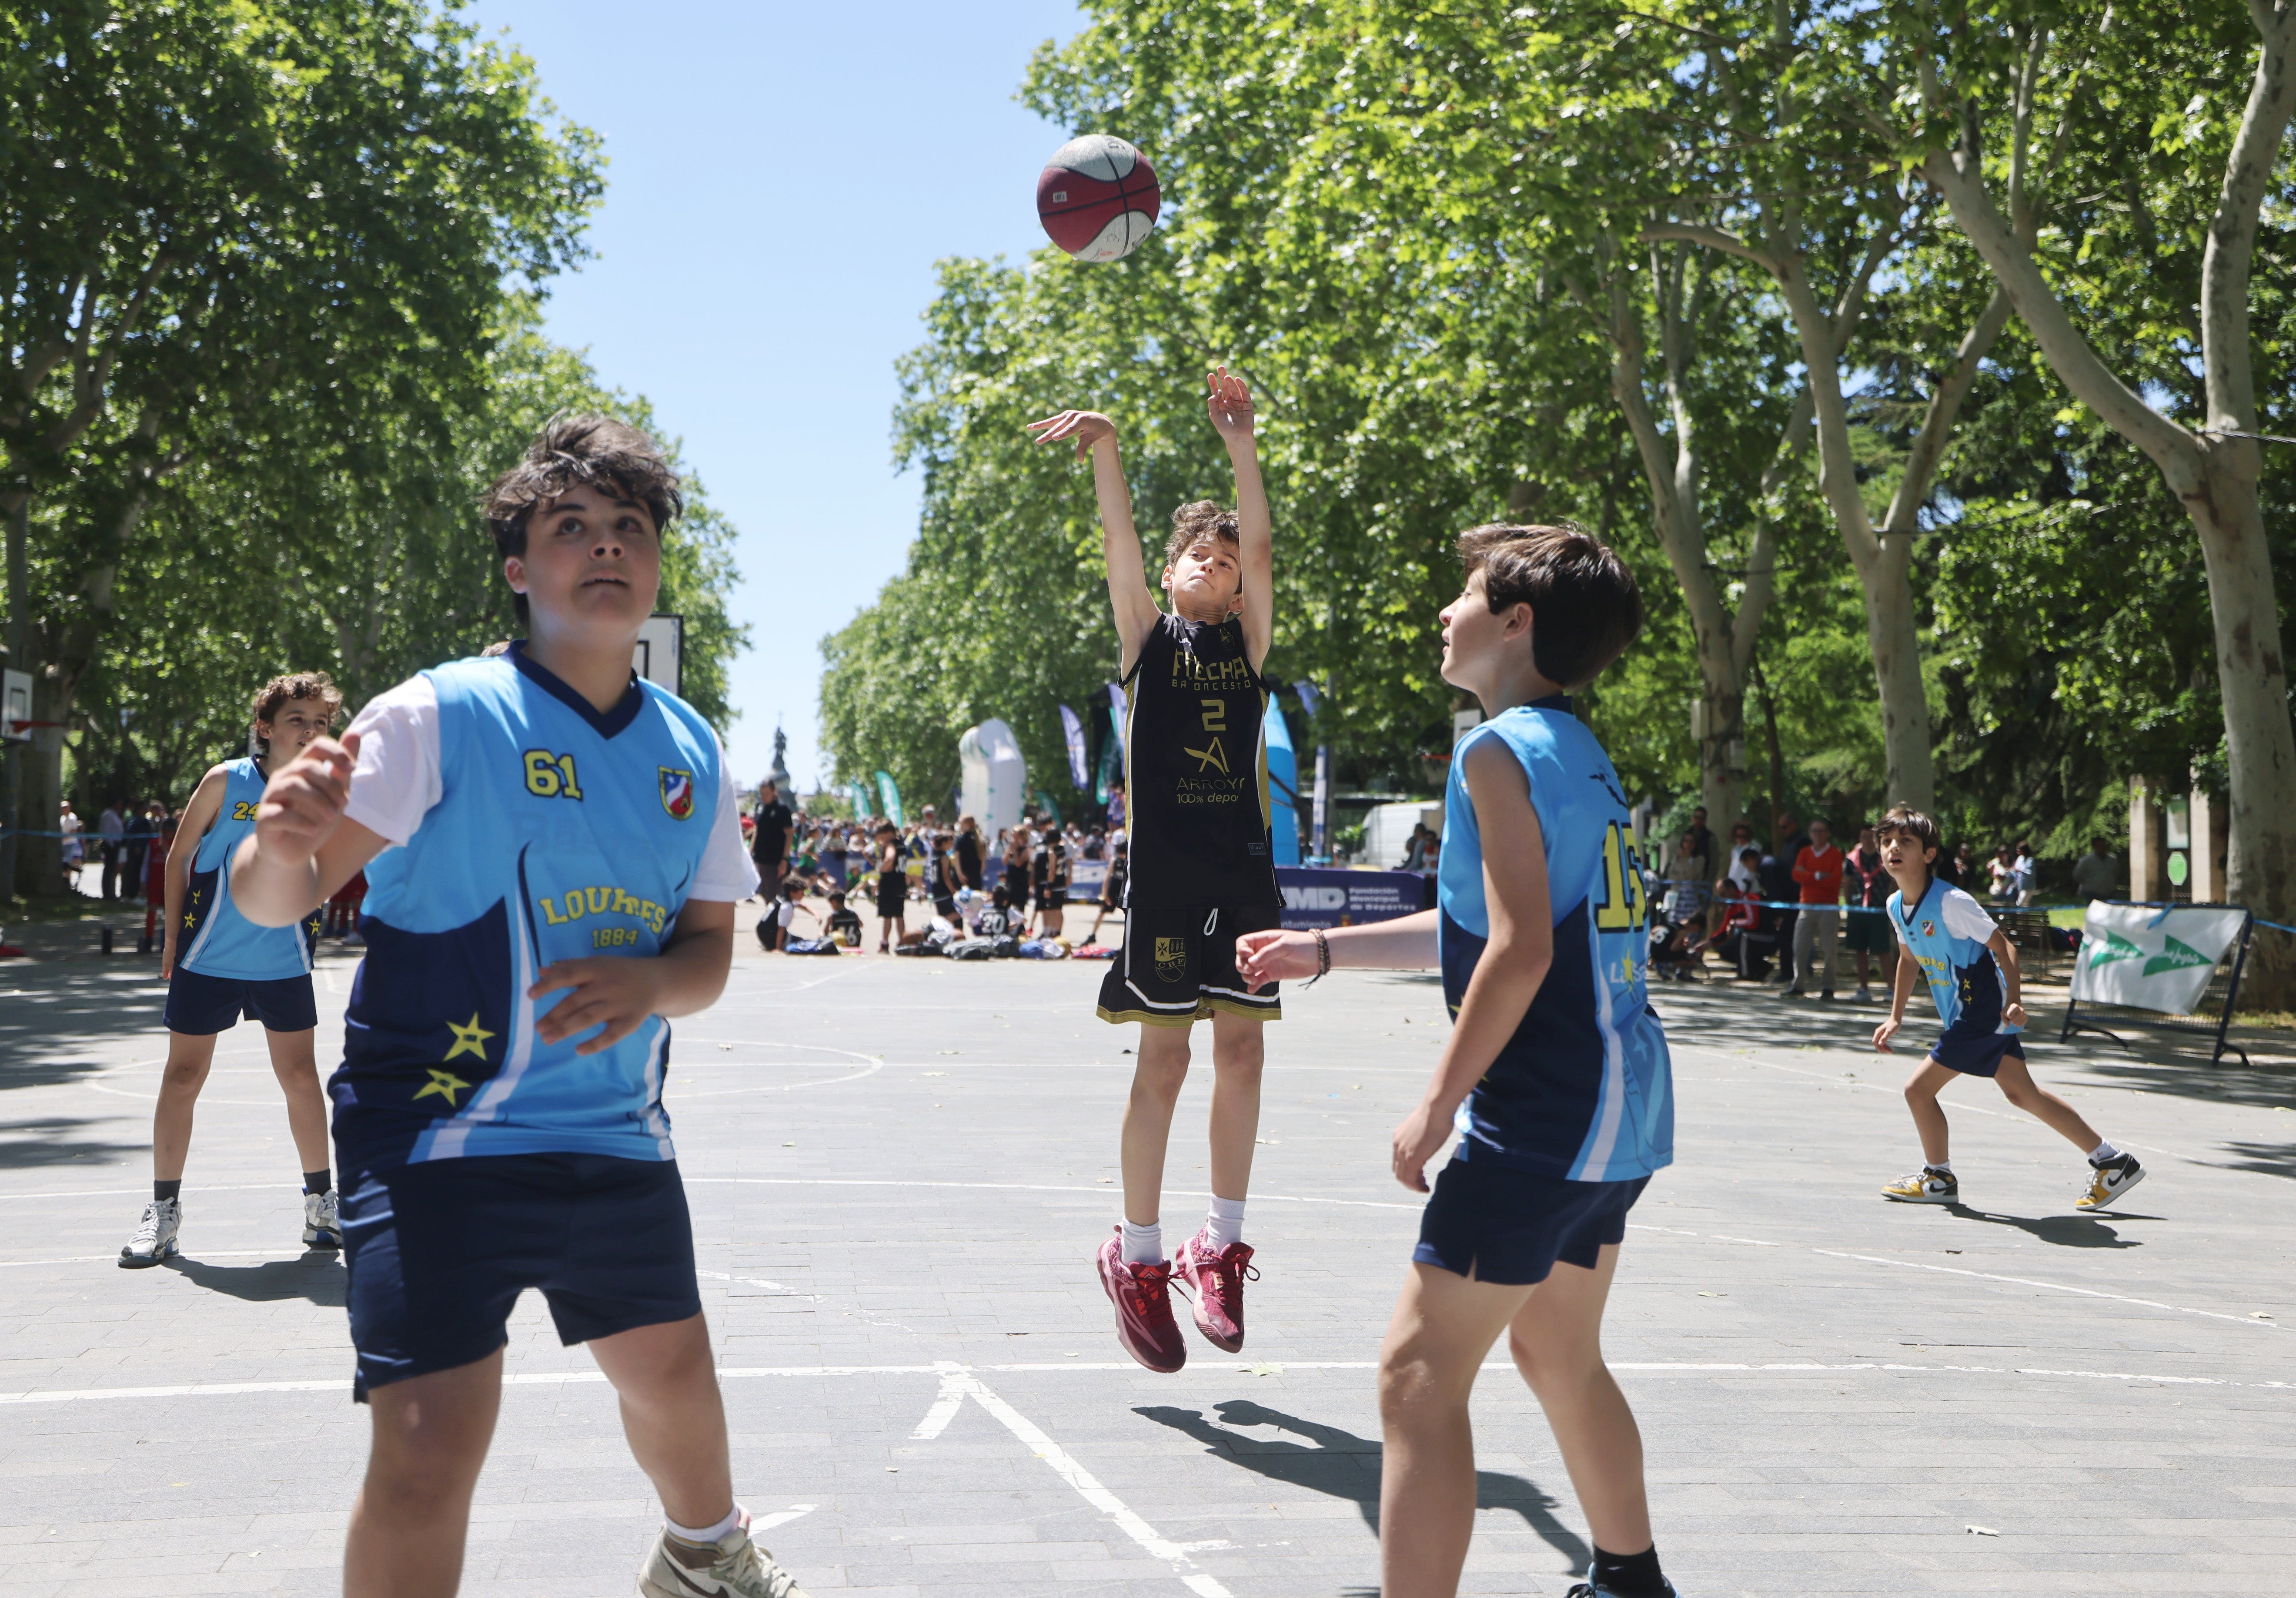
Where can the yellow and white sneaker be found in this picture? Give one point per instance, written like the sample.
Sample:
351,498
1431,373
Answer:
2109,1183
732,1567
1928,1185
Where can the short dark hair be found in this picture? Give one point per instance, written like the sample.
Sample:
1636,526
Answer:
1585,603
1196,521
1922,828
574,451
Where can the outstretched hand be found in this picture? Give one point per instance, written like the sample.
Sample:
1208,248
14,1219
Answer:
304,801
1087,427
1275,955
1229,401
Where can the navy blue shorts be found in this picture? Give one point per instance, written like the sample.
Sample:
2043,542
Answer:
1975,1053
1499,1224
438,1253
201,1005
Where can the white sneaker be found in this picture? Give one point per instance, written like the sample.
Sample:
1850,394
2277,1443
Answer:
321,1227
733,1567
155,1234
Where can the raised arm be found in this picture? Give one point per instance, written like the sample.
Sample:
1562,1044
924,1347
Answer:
1229,403
303,849
1130,600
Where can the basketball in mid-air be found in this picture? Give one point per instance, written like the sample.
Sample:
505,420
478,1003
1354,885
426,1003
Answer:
1098,198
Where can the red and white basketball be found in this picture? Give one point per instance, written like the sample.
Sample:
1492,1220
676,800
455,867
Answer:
1098,199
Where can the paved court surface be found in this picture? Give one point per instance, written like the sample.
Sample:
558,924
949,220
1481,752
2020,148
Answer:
899,1170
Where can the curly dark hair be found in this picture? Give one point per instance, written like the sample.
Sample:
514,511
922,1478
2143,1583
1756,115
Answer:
1196,521
572,451
275,695
1584,602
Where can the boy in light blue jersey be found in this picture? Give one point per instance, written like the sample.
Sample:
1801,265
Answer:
1944,937
1556,1075
219,965
552,855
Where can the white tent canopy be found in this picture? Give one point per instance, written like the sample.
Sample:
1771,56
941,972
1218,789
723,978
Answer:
993,782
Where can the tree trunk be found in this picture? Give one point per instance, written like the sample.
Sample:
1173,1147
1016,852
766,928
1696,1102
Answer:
1882,563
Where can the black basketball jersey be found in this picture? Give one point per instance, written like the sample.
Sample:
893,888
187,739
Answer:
1196,770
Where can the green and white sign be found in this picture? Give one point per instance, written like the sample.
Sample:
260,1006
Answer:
2151,958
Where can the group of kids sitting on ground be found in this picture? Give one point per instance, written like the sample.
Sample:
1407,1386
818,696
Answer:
554,859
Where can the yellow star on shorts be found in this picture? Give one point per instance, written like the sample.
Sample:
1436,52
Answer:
470,1039
446,1084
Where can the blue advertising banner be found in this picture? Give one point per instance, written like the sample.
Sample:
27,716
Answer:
1321,897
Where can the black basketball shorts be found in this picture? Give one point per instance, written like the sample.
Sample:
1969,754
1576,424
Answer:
1178,966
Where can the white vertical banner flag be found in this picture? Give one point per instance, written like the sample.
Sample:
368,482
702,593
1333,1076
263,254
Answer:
1072,729
2151,958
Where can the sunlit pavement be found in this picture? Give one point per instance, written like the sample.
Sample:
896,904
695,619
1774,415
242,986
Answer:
899,1170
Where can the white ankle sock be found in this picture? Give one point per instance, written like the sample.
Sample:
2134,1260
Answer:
1943,1165
1224,1224
706,1533
1144,1245
2103,1152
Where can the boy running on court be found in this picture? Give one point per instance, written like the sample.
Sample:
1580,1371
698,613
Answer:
1202,871
1944,936
553,858
219,965
1556,1074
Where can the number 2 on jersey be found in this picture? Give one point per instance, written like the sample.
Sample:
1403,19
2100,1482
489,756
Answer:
1623,905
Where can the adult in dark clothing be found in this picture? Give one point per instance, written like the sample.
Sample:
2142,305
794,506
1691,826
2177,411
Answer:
968,851
142,828
770,847
1778,885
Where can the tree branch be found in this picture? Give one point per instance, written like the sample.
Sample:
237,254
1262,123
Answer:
1713,238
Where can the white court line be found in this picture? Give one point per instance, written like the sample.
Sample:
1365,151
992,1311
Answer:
341,1384
2000,1115
958,1383
190,1259
1031,1187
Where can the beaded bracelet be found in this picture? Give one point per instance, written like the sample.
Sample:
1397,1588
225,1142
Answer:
1322,956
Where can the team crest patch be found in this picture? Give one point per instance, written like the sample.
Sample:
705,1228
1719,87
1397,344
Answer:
1171,959
677,792
1929,929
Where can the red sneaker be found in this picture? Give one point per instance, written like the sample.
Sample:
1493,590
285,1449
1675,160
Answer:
1218,1278
1143,1297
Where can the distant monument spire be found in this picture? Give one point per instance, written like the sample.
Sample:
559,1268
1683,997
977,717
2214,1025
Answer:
781,759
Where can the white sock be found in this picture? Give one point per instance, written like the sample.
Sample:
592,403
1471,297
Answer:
1944,1167
706,1534
2103,1152
1144,1245
1224,1224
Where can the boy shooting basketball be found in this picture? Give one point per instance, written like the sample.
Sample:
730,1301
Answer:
553,857
1202,869
1556,1074
1946,937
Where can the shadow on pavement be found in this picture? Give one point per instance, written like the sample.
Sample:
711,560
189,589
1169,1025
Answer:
28,1145
55,1016
2067,1232
2270,1159
316,1276
1344,1465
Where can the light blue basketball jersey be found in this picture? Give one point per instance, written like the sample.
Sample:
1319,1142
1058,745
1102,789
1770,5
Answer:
216,940
1585,1089
560,834
1965,978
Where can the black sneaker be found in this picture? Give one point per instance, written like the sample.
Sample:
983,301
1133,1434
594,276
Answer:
1591,1588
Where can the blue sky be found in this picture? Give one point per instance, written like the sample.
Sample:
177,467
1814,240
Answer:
783,178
